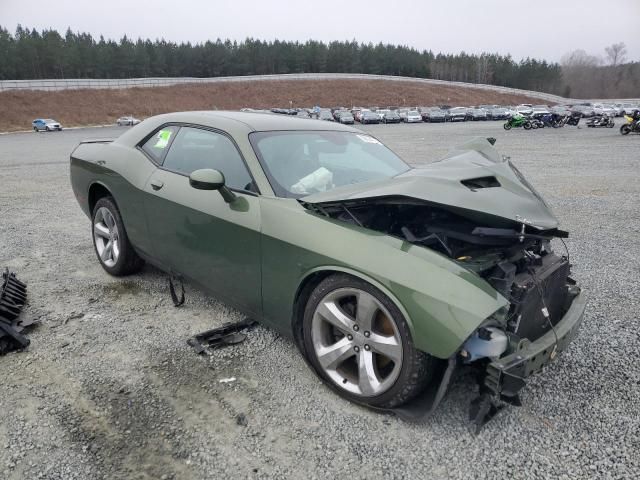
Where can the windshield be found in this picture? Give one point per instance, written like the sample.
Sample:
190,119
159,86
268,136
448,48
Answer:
299,163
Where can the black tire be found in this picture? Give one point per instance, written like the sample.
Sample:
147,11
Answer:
507,126
417,367
625,129
128,261
47,129
611,124
527,125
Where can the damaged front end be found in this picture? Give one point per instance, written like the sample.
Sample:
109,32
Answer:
480,212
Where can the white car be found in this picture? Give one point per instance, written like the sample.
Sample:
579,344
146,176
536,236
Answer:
127,121
413,116
604,109
524,110
46,124
628,108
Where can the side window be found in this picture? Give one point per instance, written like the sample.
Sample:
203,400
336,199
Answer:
159,143
194,149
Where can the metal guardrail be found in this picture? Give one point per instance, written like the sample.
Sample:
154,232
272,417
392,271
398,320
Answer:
88,83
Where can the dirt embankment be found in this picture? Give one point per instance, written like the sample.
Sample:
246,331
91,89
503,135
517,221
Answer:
88,107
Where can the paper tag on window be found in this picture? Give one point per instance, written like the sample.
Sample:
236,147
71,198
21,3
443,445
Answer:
368,139
163,138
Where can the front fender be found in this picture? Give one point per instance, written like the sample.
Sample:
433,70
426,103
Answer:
442,301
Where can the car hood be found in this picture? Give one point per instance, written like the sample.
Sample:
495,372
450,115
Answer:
474,180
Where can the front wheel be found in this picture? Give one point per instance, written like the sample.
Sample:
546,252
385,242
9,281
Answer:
357,340
110,241
507,126
625,129
528,125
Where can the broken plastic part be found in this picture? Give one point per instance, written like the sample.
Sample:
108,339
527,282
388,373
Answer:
13,295
228,334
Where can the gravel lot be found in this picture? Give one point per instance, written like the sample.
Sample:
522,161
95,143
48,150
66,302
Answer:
110,389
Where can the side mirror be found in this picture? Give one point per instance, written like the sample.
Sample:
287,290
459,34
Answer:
209,179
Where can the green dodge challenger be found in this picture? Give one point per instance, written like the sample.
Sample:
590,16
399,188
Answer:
380,272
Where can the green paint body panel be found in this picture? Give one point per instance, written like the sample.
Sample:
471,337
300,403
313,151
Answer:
256,252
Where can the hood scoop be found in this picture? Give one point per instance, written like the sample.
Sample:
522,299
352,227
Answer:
474,184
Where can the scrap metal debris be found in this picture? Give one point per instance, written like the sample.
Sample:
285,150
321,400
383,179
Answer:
227,334
13,295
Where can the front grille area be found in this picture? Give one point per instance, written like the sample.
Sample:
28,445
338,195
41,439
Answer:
527,319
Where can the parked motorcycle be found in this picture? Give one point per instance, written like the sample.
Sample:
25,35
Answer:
573,119
601,121
632,125
536,123
517,121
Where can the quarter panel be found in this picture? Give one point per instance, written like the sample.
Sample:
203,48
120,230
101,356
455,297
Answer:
121,170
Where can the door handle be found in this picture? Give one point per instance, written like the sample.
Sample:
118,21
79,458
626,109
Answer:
157,184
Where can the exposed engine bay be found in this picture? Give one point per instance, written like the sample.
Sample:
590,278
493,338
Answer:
517,260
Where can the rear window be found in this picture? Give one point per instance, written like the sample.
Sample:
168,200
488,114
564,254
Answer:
158,144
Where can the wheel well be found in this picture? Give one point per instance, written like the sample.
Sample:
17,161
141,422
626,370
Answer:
302,295
96,192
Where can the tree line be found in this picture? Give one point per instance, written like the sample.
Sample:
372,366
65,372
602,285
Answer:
32,54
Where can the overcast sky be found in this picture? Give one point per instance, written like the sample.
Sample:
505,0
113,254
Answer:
541,29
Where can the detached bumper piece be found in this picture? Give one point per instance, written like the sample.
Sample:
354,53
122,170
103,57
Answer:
505,377
13,295
228,334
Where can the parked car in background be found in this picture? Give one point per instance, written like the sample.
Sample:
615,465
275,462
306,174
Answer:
477,114
413,116
326,115
403,113
539,110
391,117
303,114
346,118
434,115
367,116
457,114
337,112
628,108
382,112
46,124
560,110
584,110
127,121
498,113
604,109
524,110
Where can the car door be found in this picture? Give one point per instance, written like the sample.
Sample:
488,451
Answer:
195,232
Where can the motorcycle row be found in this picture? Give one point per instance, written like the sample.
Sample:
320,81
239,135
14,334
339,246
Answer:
555,120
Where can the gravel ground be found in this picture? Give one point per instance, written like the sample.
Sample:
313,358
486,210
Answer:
109,388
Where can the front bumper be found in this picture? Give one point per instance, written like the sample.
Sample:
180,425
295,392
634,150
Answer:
505,376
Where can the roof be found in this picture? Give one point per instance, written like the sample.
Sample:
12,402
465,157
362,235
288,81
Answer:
234,123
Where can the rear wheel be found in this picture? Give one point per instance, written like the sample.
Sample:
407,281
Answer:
358,340
507,126
110,241
528,125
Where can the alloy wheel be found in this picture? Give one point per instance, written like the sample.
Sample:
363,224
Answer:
356,342
106,237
